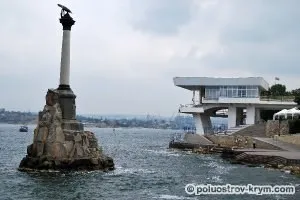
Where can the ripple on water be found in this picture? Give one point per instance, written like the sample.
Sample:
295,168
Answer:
215,179
7,170
165,152
145,169
166,196
219,168
132,171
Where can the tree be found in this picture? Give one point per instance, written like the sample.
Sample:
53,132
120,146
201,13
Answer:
278,90
296,93
265,92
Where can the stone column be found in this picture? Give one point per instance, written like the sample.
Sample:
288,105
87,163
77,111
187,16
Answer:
67,22
66,95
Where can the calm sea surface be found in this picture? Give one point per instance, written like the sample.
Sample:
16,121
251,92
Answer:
145,169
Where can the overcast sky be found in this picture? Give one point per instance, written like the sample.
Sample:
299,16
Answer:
124,53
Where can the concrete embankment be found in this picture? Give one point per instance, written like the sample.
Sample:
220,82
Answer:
191,141
238,141
269,152
283,160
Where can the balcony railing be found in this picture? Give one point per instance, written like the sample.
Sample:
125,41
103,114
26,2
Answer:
278,98
189,105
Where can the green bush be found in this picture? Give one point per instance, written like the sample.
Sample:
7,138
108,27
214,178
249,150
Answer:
294,126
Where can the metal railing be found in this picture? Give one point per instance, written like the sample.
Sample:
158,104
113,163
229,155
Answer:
278,98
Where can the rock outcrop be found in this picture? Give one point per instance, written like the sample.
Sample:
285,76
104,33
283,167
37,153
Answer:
55,147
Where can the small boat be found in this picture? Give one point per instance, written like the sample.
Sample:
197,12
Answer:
23,129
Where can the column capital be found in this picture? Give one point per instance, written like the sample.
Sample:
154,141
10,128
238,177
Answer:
67,21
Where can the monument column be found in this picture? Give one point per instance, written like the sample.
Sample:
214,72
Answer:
66,95
67,22
59,141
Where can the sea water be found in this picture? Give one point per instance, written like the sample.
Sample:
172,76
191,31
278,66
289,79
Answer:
145,169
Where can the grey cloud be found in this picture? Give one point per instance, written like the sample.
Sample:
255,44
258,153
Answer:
257,37
163,17
261,21
261,37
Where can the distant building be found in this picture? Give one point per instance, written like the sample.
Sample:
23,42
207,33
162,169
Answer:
2,110
238,97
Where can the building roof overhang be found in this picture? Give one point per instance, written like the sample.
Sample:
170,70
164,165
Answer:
194,83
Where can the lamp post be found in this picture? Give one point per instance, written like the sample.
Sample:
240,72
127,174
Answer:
279,120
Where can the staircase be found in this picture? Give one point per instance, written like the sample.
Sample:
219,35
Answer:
282,145
232,130
218,149
256,130
241,156
197,139
262,159
277,160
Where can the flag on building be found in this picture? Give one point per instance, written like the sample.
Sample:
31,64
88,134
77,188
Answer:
276,78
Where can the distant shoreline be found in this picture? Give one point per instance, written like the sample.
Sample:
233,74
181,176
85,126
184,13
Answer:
178,122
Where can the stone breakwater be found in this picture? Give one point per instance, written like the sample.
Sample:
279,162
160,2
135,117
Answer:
63,145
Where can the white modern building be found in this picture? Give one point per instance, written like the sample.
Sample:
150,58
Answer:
240,96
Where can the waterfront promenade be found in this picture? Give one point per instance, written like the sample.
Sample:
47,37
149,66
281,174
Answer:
288,155
268,151
282,145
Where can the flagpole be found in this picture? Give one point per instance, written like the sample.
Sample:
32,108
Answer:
276,79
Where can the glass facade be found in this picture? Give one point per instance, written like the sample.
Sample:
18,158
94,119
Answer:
214,92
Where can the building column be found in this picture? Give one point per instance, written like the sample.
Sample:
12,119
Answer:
250,115
200,96
239,116
202,123
193,99
257,115
231,116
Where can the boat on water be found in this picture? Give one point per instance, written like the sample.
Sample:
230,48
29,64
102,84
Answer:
23,129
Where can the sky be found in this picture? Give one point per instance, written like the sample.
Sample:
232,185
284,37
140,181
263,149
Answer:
125,53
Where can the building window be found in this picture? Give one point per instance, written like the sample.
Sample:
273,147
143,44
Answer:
214,92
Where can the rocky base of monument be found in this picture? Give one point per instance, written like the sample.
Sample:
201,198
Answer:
103,163
74,151
63,144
